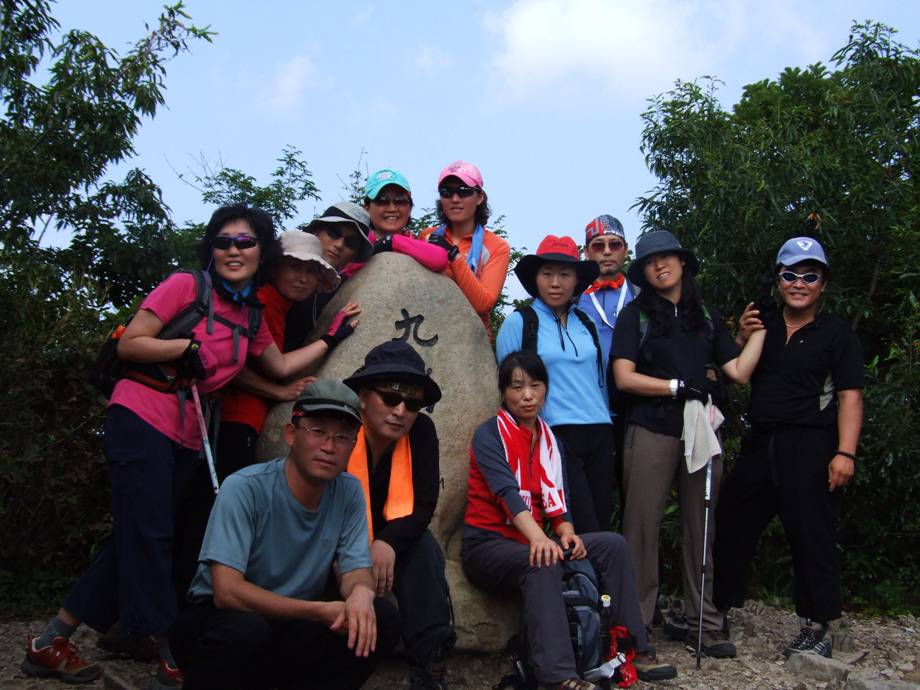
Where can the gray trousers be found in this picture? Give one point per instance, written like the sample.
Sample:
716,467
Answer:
650,463
501,564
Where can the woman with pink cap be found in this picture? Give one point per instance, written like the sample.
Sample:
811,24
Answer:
478,258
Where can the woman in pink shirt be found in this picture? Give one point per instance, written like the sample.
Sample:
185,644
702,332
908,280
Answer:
152,441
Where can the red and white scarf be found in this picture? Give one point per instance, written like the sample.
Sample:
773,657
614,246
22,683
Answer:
517,451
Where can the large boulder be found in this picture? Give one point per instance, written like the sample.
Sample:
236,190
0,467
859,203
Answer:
402,300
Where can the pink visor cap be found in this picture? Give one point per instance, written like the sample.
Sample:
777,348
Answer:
467,172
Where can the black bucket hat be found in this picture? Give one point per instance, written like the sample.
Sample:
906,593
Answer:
558,250
394,360
656,242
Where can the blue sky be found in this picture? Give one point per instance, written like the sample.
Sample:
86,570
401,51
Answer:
545,96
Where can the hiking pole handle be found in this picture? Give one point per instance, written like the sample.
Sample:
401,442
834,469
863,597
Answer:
204,437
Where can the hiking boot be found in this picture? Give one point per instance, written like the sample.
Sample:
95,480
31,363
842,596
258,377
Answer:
650,670
430,678
142,648
572,684
713,645
59,660
167,677
810,641
675,627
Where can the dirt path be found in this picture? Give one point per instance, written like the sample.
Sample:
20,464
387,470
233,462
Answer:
875,653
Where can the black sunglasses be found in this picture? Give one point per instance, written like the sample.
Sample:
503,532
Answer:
807,278
400,201
353,242
392,399
240,242
463,191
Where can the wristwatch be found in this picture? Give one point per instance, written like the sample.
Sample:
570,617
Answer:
672,387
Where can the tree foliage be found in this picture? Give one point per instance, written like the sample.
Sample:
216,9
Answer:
734,184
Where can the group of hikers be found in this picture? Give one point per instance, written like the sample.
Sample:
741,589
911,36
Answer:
305,570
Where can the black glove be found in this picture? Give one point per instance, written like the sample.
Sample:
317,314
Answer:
190,364
339,329
694,389
767,308
383,244
441,241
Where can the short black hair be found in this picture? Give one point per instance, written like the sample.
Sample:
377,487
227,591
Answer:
527,361
258,220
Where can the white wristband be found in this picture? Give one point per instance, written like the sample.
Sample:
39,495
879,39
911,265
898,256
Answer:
672,387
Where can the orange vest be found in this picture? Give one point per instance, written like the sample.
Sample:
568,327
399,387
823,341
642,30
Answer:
400,494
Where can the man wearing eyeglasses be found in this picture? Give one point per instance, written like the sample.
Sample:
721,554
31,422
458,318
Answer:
277,533
605,245
396,460
805,414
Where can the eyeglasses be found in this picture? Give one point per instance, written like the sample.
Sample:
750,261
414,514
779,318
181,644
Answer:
400,201
392,399
601,245
224,242
463,191
807,278
353,242
321,435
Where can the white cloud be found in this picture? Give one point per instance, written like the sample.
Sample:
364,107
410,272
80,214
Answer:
290,81
631,46
431,59
363,16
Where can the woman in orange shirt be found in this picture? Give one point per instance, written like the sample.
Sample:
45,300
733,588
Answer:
478,258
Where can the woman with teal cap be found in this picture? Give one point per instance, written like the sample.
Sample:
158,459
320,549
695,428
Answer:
388,201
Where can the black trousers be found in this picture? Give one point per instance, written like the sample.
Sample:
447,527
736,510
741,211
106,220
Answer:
236,449
503,565
782,470
220,649
420,588
589,454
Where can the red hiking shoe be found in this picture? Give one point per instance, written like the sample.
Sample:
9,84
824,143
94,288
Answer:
59,660
167,676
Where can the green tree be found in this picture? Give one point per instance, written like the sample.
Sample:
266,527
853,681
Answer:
734,184
68,110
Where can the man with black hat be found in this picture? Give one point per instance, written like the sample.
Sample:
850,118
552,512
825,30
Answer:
395,458
277,532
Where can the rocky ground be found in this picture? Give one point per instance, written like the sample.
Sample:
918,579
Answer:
869,653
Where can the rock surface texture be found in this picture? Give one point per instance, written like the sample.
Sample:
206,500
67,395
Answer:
402,300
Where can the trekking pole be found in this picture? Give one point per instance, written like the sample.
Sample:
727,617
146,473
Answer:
204,436
707,502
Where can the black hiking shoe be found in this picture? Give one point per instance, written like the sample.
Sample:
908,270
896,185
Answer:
675,628
810,641
650,670
713,645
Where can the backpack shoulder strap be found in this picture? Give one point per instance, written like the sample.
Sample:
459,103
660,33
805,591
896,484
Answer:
181,325
530,327
592,329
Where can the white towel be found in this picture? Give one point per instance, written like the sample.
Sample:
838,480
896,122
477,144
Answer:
700,440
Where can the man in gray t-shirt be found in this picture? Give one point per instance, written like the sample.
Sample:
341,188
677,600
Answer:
277,533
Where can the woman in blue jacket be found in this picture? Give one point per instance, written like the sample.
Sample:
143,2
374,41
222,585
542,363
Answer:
576,407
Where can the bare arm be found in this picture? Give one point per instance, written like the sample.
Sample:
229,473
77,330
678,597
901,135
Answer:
741,367
357,588
253,382
139,342
631,381
849,425
543,550
232,591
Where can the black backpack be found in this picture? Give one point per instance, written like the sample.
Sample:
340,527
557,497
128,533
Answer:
532,326
166,377
588,631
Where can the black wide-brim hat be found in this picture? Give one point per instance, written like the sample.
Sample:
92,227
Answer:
395,360
656,242
559,250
